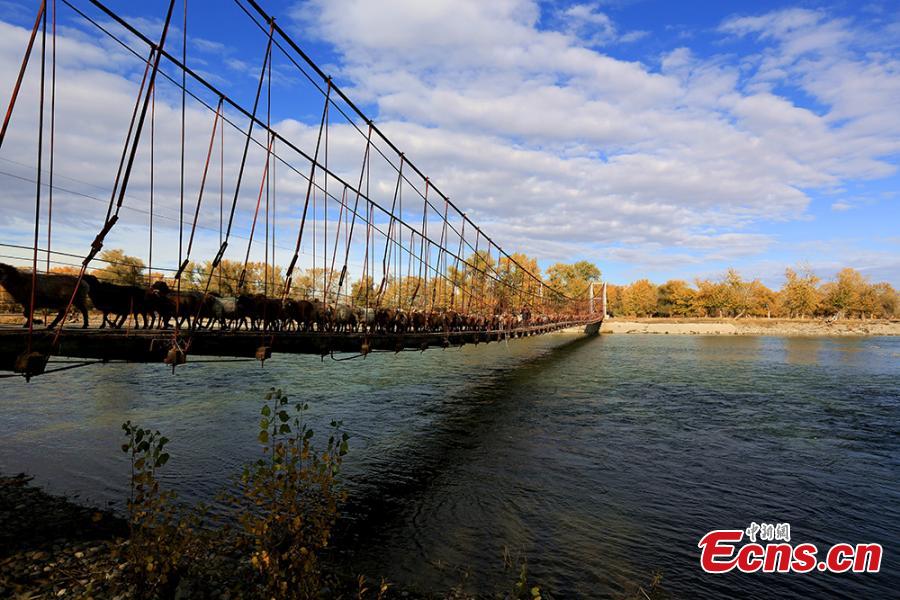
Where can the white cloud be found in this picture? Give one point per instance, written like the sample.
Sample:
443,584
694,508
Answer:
532,118
555,147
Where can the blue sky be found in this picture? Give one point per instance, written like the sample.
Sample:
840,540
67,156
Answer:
657,139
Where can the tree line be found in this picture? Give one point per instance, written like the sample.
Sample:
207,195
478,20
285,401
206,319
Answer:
482,283
487,283
849,295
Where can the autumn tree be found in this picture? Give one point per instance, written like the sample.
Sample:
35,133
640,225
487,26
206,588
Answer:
614,305
519,281
674,299
120,268
258,278
799,297
408,293
763,301
711,298
736,293
888,303
362,291
477,277
311,283
844,296
572,280
640,298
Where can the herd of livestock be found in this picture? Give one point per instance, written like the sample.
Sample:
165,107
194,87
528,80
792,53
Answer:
161,307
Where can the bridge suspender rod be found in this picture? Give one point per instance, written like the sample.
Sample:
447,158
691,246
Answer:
156,53
312,174
422,253
477,239
152,161
15,93
52,137
212,139
237,187
456,266
181,264
221,188
337,237
439,258
268,179
325,277
262,187
37,195
389,236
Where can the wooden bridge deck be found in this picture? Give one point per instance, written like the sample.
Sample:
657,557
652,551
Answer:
139,345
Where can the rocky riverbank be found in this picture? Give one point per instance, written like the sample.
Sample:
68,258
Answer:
775,327
51,547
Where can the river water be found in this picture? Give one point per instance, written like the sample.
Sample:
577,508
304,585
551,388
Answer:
599,460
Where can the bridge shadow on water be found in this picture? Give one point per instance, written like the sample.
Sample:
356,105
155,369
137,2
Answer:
467,421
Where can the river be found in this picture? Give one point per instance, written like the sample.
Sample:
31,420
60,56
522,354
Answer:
601,460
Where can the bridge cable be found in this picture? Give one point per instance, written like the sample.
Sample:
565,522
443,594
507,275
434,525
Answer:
37,197
206,83
363,170
152,182
440,258
237,188
268,178
422,254
18,85
325,278
337,237
309,189
389,238
52,137
244,111
353,106
262,187
182,264
212,139
156,54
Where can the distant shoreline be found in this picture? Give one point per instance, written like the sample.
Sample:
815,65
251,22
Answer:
754,326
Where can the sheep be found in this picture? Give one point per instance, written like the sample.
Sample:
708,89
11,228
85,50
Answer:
118,300
52,291
344,318
256,310
225,311
217,312
245,312
436,320
365,317
296,314
384,319
186,307
319,315
401,321
303,314
273,313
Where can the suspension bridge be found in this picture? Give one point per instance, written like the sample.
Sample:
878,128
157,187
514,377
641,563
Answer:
379,258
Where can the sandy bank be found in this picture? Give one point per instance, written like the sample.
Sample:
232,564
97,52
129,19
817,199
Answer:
781,327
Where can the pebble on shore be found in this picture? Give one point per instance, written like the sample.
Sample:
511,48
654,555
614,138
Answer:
51,547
